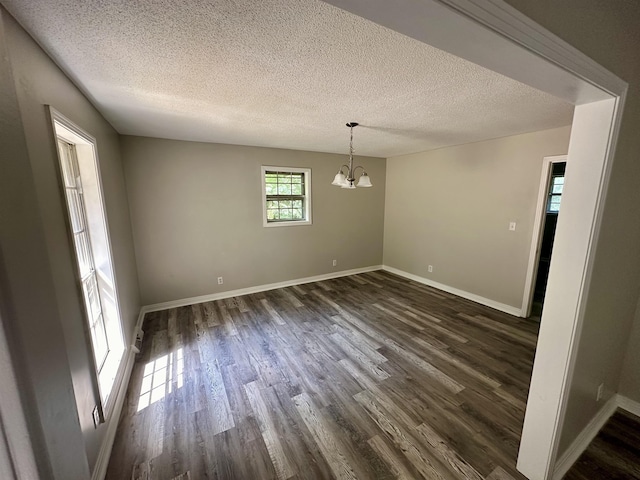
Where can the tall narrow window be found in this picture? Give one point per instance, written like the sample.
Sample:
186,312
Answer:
286,194
86,262
89,234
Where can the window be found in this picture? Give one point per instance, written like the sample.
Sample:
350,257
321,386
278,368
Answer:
86,262
89,235
555,187
286,195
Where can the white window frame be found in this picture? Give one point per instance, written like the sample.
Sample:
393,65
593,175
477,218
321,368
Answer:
307,196
103,376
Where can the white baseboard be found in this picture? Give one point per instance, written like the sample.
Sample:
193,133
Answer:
259,288
460,293
102,462
582,441
629,405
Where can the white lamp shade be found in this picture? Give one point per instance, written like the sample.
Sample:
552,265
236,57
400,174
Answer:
348,185
339,179
364,181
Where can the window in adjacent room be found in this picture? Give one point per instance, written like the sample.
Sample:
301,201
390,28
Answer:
88,233
555,188
286,196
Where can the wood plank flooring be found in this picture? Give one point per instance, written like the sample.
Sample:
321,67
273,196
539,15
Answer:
614,454
369,376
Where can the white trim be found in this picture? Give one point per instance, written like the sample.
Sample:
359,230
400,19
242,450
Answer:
258,288
629,405
476,29
113,419
66,129
571,352
104,455
515,311
307,196
538,225
509,22
582,441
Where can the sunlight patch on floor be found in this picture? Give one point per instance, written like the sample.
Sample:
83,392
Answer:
158,378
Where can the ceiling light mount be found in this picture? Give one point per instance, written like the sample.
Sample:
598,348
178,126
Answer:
347,179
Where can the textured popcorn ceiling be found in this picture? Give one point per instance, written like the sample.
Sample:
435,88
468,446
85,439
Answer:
277,73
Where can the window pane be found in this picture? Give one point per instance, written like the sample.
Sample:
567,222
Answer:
296,189
557,185
285,203
297,214
284,189
273,214
297,178
297,203
554,203
270,178
271,188
83,252
75,210
91,294
99,339
68,172
286,214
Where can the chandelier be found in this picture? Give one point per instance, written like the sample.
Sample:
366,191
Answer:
347,179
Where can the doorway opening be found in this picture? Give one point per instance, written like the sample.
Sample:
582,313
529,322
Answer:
554,196
544,231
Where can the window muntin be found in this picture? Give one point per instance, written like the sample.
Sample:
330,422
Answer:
286,196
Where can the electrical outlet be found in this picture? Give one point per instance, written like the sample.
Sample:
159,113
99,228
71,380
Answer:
220,281
430,268
512,226
96,417
599,393
335,263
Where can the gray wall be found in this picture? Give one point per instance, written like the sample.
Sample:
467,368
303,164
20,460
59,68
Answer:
630,378
451,208
196,210
608,32
54,338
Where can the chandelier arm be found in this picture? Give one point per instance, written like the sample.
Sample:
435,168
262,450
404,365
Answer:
353,173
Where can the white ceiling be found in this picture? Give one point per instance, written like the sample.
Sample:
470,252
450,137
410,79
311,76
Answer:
277,73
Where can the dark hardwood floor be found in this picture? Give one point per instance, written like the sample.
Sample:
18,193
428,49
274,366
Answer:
614,454
363,377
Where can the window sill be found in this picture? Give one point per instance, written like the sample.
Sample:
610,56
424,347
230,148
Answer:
110,372
287,224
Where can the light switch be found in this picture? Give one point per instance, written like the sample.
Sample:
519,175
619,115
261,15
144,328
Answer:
512,226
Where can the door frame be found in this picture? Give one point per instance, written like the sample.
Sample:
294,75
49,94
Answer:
538,229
